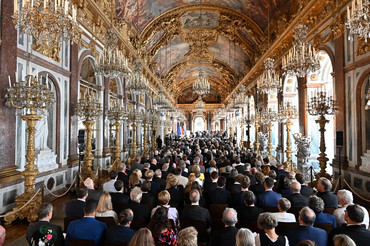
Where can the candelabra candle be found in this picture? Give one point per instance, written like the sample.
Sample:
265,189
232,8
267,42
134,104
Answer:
269,82
89,107
287,112
321,105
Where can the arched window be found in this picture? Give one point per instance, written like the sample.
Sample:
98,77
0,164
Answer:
322,80
199,124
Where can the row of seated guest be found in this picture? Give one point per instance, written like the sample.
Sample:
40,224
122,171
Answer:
88,228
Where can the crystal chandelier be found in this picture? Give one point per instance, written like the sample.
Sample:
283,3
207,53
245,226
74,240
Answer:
201,85
358,19
241,100
269,82
199,106
137,83
48,22
302,59
160,100
111,62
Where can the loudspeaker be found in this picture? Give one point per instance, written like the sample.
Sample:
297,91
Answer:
81,136
339,138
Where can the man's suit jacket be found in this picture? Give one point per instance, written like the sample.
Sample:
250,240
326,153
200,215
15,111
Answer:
324,218
252,178
281,172
118,197
75,209
124,177
359,235
94,195
224,237
161,182
195,212
269,198
155,187
235,188
330,200
298,200
306,190
177,195
136,166
240,168
249,214
148,198
220,196
34,233
119,233
87,228
257,189
141,211
298,234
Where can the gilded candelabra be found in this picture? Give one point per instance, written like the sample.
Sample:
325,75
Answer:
257,120
116,114
146,118
48,22
154,120
320,105
268,118
135,118
32,94
287,112
88,108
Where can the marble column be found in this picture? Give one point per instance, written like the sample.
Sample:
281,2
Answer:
8,67
106,148
302,103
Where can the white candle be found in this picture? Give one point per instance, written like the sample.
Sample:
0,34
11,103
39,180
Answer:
22,3
10,81
47,80
66,7
15,5
44,4
31,2
348,14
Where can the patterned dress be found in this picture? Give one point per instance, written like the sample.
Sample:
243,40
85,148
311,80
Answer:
169,237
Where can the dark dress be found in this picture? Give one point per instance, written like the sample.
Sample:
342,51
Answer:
168,237
265,241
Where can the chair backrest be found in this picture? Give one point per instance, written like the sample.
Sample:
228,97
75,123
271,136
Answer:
110,243
107,220
327,227
295,211
216,210
283,227
329,210
80,242
270,209
217,224
199,225
136,224
119,206
68,220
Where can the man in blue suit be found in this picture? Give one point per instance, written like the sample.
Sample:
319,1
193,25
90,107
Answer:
306,231
87,228
269,198
123,231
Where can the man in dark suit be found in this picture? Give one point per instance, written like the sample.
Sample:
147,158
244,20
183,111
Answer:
226,236
195,212
34,233
306,231
269,198
121,232
123,174
297,200
137,164
247,172
147,197
305,190
88,228
158,178
93,194
324,187
155,187
75,208
249,212
141,211
354,216
281,171
119,196
220,195
210,187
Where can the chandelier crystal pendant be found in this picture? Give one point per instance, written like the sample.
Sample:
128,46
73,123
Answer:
111,62
302,59
48,22
201,85
137,83
358,19
269,82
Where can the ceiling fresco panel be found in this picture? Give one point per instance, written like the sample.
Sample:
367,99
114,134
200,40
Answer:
193,71
188,96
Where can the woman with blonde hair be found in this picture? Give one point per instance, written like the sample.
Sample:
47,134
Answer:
176,191
105,207
191,180
343,240
164,198
142,237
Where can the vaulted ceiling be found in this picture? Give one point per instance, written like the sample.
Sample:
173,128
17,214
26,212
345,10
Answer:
222,37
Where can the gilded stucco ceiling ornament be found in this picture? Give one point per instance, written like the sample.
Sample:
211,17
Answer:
362,47
199,41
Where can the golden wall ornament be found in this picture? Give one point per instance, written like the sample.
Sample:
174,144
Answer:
32,94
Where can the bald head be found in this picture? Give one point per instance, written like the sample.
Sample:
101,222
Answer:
89,183
295,186
307,216
230,217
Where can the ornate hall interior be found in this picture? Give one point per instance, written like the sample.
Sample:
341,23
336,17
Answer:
103,79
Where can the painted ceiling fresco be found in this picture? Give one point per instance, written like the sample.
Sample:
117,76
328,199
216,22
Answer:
220,36
141,12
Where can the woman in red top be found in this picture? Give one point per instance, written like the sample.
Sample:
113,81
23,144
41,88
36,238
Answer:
160,228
